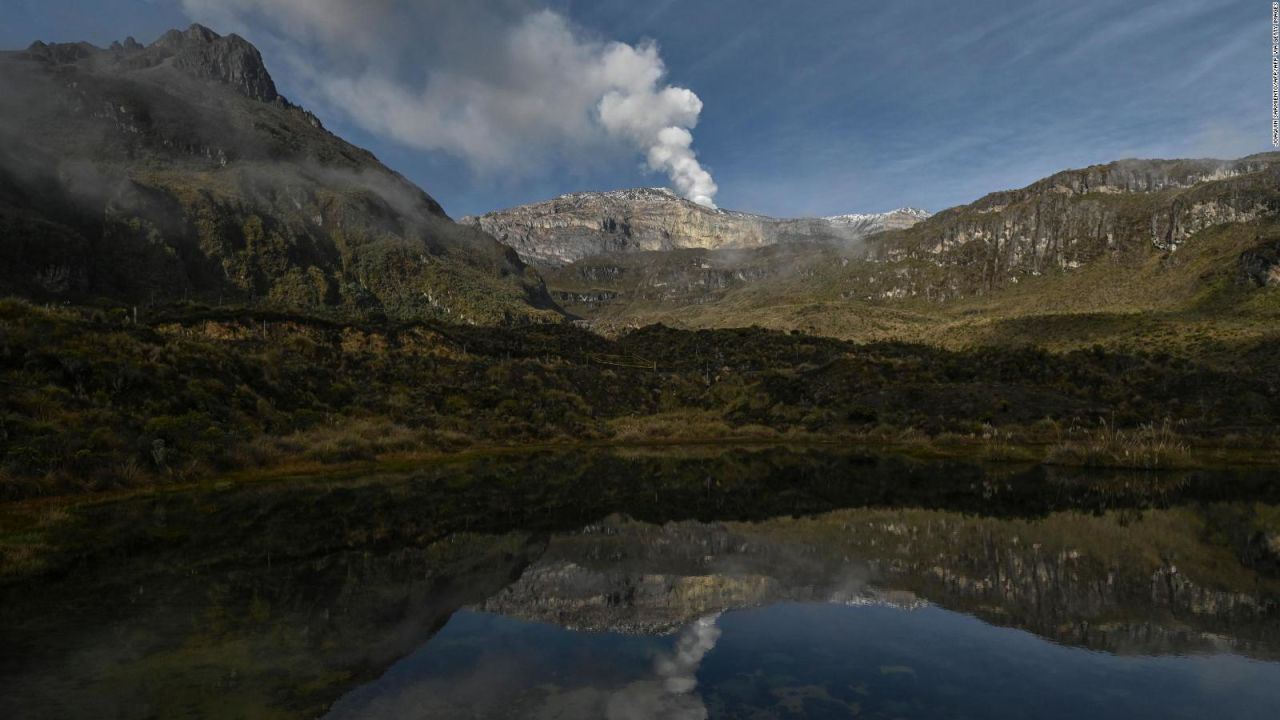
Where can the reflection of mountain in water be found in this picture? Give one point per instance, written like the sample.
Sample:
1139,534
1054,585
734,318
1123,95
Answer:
1145,584
275,599
627,576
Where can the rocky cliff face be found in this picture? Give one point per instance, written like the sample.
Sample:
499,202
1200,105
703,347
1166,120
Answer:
580,225
230,60
176,171
1122,209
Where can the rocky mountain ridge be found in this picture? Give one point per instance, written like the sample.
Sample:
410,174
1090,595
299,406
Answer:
626,258
230,60
578,225
1190,224
1074,218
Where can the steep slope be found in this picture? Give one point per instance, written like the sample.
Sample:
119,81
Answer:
177,171
1105,213
1129,247
580,225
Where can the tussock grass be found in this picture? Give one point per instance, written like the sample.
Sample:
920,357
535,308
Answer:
1149,446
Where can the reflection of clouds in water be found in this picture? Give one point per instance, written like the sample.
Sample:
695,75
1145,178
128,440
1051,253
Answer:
670,694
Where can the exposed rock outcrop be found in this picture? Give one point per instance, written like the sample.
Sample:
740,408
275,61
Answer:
230,60
580,225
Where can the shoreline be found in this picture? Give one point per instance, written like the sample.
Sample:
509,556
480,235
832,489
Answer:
924,448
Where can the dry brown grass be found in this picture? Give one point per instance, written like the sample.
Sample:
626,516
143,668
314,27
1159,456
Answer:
1149,446
342,440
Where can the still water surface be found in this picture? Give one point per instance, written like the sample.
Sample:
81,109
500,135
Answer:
773,583
800,660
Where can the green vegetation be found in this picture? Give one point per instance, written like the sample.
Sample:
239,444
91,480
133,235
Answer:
94,401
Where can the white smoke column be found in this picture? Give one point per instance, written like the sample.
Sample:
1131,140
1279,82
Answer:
510,87
671,696
673,153
658,120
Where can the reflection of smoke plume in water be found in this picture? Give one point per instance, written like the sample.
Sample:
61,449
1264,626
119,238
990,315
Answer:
678,671
670,696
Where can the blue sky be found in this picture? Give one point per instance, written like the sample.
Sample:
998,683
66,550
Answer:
807,108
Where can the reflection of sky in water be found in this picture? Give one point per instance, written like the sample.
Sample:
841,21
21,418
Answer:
491,666
801,660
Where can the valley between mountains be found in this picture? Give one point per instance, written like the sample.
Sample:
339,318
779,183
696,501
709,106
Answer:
201,279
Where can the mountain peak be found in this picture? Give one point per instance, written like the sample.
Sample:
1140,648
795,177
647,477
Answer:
158,172
228,59
201,33
195,34
902,212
